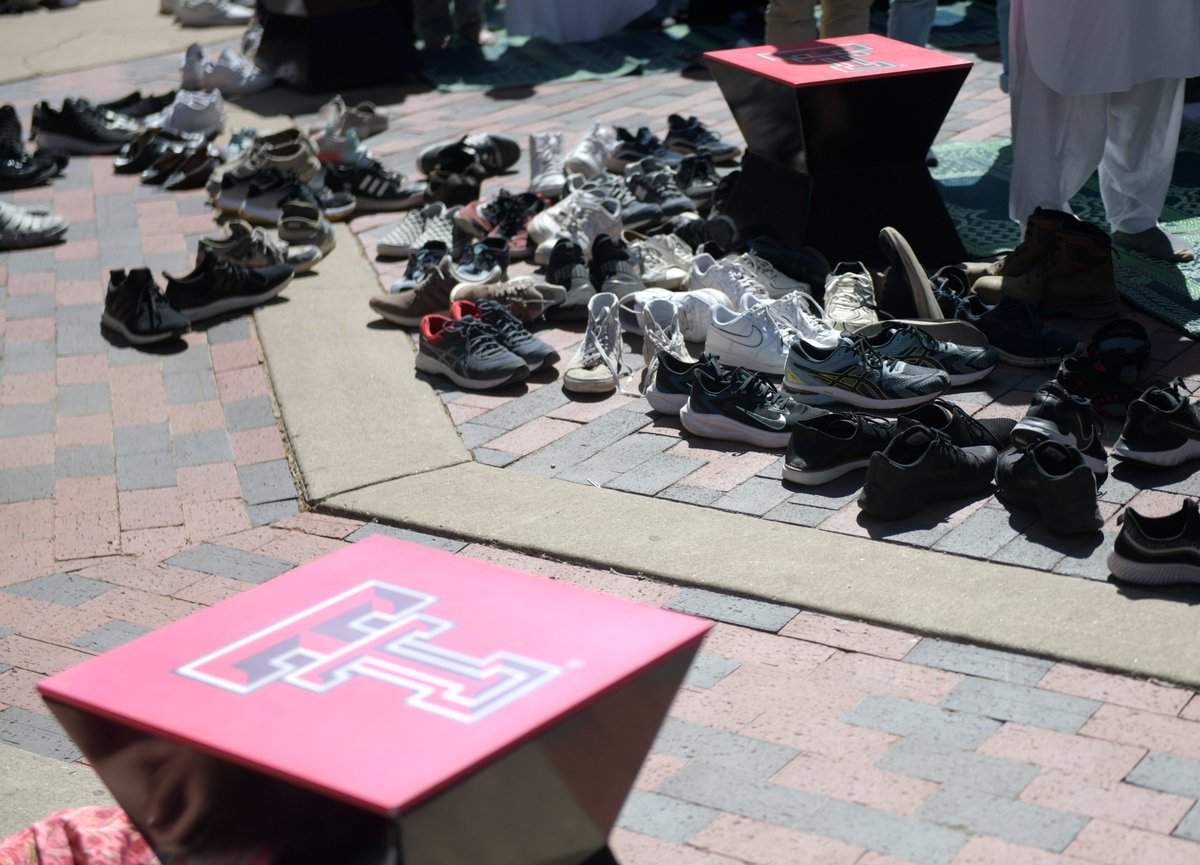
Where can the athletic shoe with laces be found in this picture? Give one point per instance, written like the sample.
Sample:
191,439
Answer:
546,172
211,13
135,308
828,445
375,188
269,191
635,213
513,226
962,429
484,260
402,238
664,260
590,155
597,366
612,268
1060,416
137,105
22,227
651,180
920,465
467,352
698,179
756,339
658,325
431,296
962,363
669,384
341,148
510,332
727,276
1162,427
1108,370
568,270
852,372
430,261
235,75
1052,479
850,296
301,224
691,136
527,297
1019,336
18,169
776,283
1157,551
253,247
636,146
80,127
588,217
495,153
806,317
737,404
478,218
215,287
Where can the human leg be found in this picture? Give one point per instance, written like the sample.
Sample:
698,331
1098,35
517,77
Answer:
431,22
845,17
911,20
1003,13
790,21
468,21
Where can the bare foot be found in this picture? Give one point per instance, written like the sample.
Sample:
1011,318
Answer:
1156,243
487,37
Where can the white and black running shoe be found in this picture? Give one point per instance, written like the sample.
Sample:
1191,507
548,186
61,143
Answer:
1158,551
962,363
216,286
740,405
1162,427
135,308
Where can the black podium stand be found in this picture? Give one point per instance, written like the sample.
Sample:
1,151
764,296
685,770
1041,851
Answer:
322,46
837,131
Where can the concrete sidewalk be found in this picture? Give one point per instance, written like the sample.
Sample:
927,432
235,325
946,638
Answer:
136,487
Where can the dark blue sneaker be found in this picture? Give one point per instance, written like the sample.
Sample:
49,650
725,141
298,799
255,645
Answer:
1019,336
467,352
510,333
671,386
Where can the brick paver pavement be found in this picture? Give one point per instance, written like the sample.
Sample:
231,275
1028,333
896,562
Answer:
138,486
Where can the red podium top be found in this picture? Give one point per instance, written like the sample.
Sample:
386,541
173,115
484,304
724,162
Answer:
379,674
828,61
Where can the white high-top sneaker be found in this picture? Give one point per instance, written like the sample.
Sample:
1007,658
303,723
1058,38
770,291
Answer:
590,156
546,172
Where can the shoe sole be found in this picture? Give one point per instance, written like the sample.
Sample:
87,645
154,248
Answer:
665,403
377,205
118,326
433,366
71,144
588,385
1027,362
1151,573
899,253
815,477
718,426
270,216
1189,450
403,320
47,174
387,250
232,304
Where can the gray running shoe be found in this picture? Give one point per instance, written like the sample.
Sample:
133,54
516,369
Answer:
854,373
963,363
467,352
254,247
429,291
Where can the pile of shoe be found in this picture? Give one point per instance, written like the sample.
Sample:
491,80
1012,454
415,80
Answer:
208,13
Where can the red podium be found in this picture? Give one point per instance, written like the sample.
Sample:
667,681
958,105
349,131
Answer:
837,131
386,703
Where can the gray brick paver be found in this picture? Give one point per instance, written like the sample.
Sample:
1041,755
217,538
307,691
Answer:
664,817
951,765
985,814
68,590
921,721
747,612
1020,703
978,661
228,562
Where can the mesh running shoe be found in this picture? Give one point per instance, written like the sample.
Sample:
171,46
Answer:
853,372
739,405
1052,479
510,332
1016,332
375,188
596,366
1157,551
483,261
1162,427
635,213
920,465
1060,416
652,181
698,179
636,146
692,136
429,262
480,217
253,247
828,445
513,226
467,352
301,223
962,363
215,287
135,308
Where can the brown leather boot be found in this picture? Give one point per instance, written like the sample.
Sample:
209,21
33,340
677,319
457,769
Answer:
1072,274
1039,228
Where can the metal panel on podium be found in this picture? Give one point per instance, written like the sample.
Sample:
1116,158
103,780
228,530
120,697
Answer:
386,703
837,131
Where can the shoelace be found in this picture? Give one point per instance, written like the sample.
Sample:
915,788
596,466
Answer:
600,346
594,147
423,264
512,218
700,133
766,271
756,389
228,278
868,356
583,217
660,340
803,311
478,335
661,184
497,314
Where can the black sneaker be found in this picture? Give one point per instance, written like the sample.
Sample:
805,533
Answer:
612,268
1157,551
1162,427
962,429
375,188
698,179
467,352
261,198
921,465
739,405
1065,418
18,169
455,176
1052,479
495,153
510,332
671,386
138,106
692,136
634,147
567,269
135,308
483,261
79,127
216,286
653,181
828,446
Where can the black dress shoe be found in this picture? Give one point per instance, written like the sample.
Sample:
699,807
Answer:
193,172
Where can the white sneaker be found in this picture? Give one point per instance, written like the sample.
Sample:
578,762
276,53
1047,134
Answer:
850,296
776,283
631,306
807,317
546,164
665,260
551,222
234,75
596,366
758,339
590,156
658,322
588,218
192,111
194,66
729,277
211,13
23,227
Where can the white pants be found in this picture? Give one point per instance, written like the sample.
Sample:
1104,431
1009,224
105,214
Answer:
1058,141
